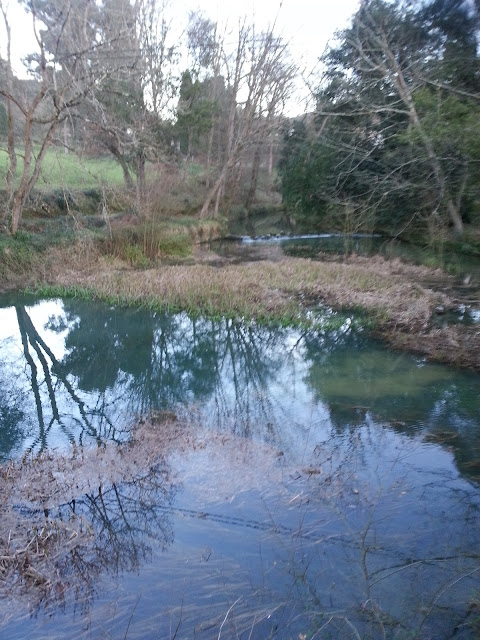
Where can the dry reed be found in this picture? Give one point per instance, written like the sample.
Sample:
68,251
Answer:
393,294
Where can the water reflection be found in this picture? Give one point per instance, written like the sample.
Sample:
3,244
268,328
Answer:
73,546
379,538
332,495
73,371
125,521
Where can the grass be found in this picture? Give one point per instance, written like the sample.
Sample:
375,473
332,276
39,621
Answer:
22,255
61,170
139,244
282,291
75,183
142,244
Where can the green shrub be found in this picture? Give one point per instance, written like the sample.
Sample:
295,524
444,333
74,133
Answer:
175,245
134,255
151,241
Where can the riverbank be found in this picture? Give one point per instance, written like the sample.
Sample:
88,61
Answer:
398,298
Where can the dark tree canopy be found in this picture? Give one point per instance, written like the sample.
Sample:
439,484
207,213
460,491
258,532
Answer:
393,143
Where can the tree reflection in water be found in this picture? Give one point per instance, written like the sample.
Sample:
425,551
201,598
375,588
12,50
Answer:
395,554
115,364
118,363
125,521
354,521
341,547
71,547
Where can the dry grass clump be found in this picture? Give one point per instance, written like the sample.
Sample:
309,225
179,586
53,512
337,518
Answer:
41,532
29,553
142,241
283,288
458,344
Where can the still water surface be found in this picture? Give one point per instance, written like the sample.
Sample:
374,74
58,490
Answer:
337,495
311,245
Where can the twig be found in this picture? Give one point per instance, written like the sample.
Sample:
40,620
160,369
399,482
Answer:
226,616
131,616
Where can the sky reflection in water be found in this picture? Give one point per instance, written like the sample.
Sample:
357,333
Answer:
338,496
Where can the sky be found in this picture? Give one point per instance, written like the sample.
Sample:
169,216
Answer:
307,25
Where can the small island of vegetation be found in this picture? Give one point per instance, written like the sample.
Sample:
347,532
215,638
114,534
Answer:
116,163
236,440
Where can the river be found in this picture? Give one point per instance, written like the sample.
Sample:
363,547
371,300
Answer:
335,492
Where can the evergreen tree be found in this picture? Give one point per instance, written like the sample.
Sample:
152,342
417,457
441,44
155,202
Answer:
195,111
394,140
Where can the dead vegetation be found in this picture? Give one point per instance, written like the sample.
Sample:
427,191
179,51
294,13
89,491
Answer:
388,290
399,298
45,534
458,345
67,518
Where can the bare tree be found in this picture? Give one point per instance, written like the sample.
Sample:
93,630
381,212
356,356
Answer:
267,124
69,61
256,90
377,55
125,113
9,80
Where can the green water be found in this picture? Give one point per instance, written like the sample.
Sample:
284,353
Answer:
457,264
336,493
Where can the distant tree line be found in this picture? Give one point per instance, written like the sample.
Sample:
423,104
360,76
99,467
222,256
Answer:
109,79
393,143
394,140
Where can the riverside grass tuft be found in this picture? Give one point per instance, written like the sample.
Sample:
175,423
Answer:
282,291
286,292
141,243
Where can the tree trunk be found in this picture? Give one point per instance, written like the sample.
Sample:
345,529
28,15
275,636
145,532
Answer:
12,156
16,212
270,159
217,203
117,154
234,186
65,137
254,178
28,181
20,194
215,191
209,155
141,183
455,217
405,93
